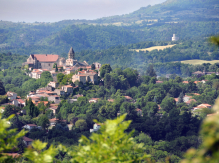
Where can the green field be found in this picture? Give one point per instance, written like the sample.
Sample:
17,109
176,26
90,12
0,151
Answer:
155,48
199,62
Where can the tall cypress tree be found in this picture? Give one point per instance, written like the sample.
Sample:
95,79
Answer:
2,88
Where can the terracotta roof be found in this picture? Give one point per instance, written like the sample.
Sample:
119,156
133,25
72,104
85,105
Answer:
159,107
128,97
27,139
54,120
18,97
21,101
185,82
31,124
44,102
176,99
197,94
201,106
94,99
69,86
14,155
196,82
188,102
53,107
206,104
46,57
158,82
110,100
138,109
197,72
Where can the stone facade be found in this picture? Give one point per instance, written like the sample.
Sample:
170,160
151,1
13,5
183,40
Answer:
44,61
86,76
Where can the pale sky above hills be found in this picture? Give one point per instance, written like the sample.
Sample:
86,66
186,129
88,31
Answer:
56,10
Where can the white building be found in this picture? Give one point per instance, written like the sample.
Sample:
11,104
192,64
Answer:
174,38
30,126
11,95
95,128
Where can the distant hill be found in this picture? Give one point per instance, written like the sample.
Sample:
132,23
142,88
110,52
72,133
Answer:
188,19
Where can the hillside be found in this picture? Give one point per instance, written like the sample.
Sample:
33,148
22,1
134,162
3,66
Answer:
188,19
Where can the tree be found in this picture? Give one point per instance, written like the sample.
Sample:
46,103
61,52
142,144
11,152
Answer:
105,68
168,104
81,124
150,109
56,68
2,88
60,77
8,138
178,79
43,121
150,71
118,145
180,98
31,109
93,67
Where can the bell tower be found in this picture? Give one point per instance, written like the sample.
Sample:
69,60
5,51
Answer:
71,54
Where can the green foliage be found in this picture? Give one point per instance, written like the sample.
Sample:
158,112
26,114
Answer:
168,104
60,77
3,99
37,154
105,68
2,88
8,137
31,109
150,71
208,151
92,67
81,124
43,121
111,145
150,109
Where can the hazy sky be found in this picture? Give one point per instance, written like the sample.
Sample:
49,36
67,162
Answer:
56,10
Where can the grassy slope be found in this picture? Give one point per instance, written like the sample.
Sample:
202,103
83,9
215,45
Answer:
155,48
199,62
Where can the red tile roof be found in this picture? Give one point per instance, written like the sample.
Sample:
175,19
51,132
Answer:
138,109
27,139
94,99
46,57
128,98
14,155
158,82
31,124
21,101
185,82
188,102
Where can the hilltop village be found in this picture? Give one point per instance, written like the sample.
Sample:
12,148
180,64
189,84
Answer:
56,100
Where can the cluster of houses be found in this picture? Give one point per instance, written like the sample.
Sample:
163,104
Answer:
39,63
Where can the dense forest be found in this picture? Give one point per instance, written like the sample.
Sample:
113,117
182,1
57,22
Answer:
167,128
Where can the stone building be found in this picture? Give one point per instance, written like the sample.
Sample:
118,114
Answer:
97,65
86,76
71,61
44,61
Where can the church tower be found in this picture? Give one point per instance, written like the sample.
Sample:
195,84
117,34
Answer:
71,61
71,54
